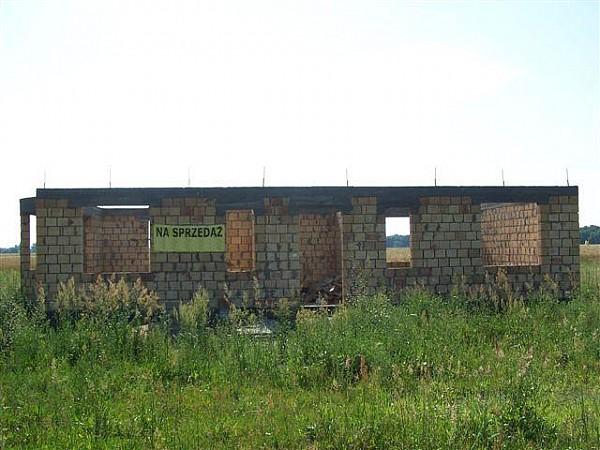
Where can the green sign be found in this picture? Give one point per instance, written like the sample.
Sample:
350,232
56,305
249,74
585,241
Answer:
188,238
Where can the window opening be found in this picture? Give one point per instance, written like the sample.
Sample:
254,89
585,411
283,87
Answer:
397,242
32,242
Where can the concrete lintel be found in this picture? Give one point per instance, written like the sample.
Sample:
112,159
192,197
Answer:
303,199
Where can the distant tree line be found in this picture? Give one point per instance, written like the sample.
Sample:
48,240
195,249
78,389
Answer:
397,241
590,234
16,249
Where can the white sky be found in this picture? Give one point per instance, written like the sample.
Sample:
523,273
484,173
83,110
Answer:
389,90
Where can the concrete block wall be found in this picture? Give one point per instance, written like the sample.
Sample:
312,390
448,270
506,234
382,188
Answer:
510,234
277,251
559,223
446,242
92,244
446,247
177,276
27,274
273,275
363,243
59,243
291,247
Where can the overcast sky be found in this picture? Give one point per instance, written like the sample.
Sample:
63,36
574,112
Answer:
389,90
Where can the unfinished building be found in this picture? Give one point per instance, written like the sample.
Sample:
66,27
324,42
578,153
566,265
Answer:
265,244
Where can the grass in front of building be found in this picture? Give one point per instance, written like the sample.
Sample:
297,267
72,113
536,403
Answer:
416,372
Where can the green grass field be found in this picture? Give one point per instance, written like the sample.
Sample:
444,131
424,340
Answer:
425,373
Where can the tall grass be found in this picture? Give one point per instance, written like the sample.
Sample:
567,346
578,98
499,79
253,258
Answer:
425,373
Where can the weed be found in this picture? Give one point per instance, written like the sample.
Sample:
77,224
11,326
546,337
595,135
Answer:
193,317
426,372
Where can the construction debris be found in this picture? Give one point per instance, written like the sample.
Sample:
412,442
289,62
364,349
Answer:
328,291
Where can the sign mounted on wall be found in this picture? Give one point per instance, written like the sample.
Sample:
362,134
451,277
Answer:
188,238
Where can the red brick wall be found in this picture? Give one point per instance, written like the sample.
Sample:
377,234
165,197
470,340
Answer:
239,235
510,234
116,244
320,248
